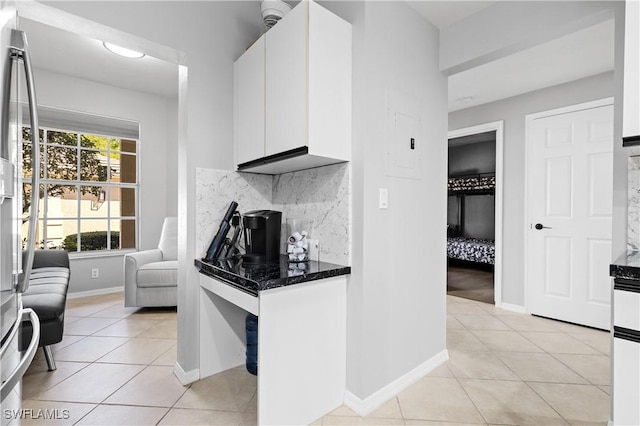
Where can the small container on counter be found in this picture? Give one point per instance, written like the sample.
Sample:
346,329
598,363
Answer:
297,232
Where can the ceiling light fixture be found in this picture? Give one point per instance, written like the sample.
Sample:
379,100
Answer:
123,51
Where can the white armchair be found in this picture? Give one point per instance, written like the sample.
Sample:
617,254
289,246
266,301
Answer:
151,276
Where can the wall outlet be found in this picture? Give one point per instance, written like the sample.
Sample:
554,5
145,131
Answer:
95,273
314,250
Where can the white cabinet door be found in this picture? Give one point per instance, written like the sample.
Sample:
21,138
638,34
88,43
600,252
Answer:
249,91
329,85
286,83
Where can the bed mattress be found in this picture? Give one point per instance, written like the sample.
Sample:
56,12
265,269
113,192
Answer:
471,249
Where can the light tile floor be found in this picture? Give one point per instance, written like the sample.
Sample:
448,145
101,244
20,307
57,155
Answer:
115,366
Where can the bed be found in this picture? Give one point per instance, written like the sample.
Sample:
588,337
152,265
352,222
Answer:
459,246
471,250
476,184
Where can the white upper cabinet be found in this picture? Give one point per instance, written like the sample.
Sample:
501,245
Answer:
248,88
306,95
286,72
631,97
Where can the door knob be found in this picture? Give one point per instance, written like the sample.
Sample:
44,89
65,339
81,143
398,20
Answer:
539,226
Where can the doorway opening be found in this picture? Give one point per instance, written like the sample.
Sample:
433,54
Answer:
474,219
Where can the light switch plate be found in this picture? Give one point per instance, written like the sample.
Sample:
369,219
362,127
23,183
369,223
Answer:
383,201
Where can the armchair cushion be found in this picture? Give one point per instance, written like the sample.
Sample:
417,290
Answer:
158,274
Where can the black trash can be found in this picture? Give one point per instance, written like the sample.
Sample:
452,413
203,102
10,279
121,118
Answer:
251,327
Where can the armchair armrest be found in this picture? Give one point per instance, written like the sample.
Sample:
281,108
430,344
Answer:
133,262
143,257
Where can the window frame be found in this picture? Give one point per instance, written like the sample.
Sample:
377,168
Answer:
78,183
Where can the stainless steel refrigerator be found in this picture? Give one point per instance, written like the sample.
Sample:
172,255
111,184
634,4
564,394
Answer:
14,267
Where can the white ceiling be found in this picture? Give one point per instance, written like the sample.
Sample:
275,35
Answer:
67,53
581,54
444,13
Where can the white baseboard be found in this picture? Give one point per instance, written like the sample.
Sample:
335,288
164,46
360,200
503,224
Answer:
366,406
186,377
513,308
97,292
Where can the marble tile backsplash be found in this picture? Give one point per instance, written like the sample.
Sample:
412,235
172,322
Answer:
320,195
215,189
633,213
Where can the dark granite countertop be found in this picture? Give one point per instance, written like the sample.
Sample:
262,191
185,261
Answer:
627,266
268,275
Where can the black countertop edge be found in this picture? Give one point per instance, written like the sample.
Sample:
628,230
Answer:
631,140
234,280
269,275
626,267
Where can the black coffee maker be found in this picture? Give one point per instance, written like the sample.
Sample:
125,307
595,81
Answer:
262,236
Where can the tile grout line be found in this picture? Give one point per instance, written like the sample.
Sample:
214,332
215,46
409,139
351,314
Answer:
552,354
546,402
521,379
97,361
589,382
34,398
89,363
486,422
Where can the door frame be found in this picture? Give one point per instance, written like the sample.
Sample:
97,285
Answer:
527,181
498,127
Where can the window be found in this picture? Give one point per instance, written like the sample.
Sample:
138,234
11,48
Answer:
88,190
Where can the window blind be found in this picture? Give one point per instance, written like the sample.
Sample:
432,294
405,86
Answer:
82,122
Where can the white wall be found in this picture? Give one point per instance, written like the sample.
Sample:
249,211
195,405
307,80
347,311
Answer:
172,158
396,294
513,111
156,170
620,154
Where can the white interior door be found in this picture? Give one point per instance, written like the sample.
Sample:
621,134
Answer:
570,181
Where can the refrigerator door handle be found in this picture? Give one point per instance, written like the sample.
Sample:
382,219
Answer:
20,51
9,384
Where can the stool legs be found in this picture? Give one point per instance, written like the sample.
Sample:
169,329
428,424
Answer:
48,355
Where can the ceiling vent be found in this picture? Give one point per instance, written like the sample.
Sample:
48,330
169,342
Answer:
272,11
